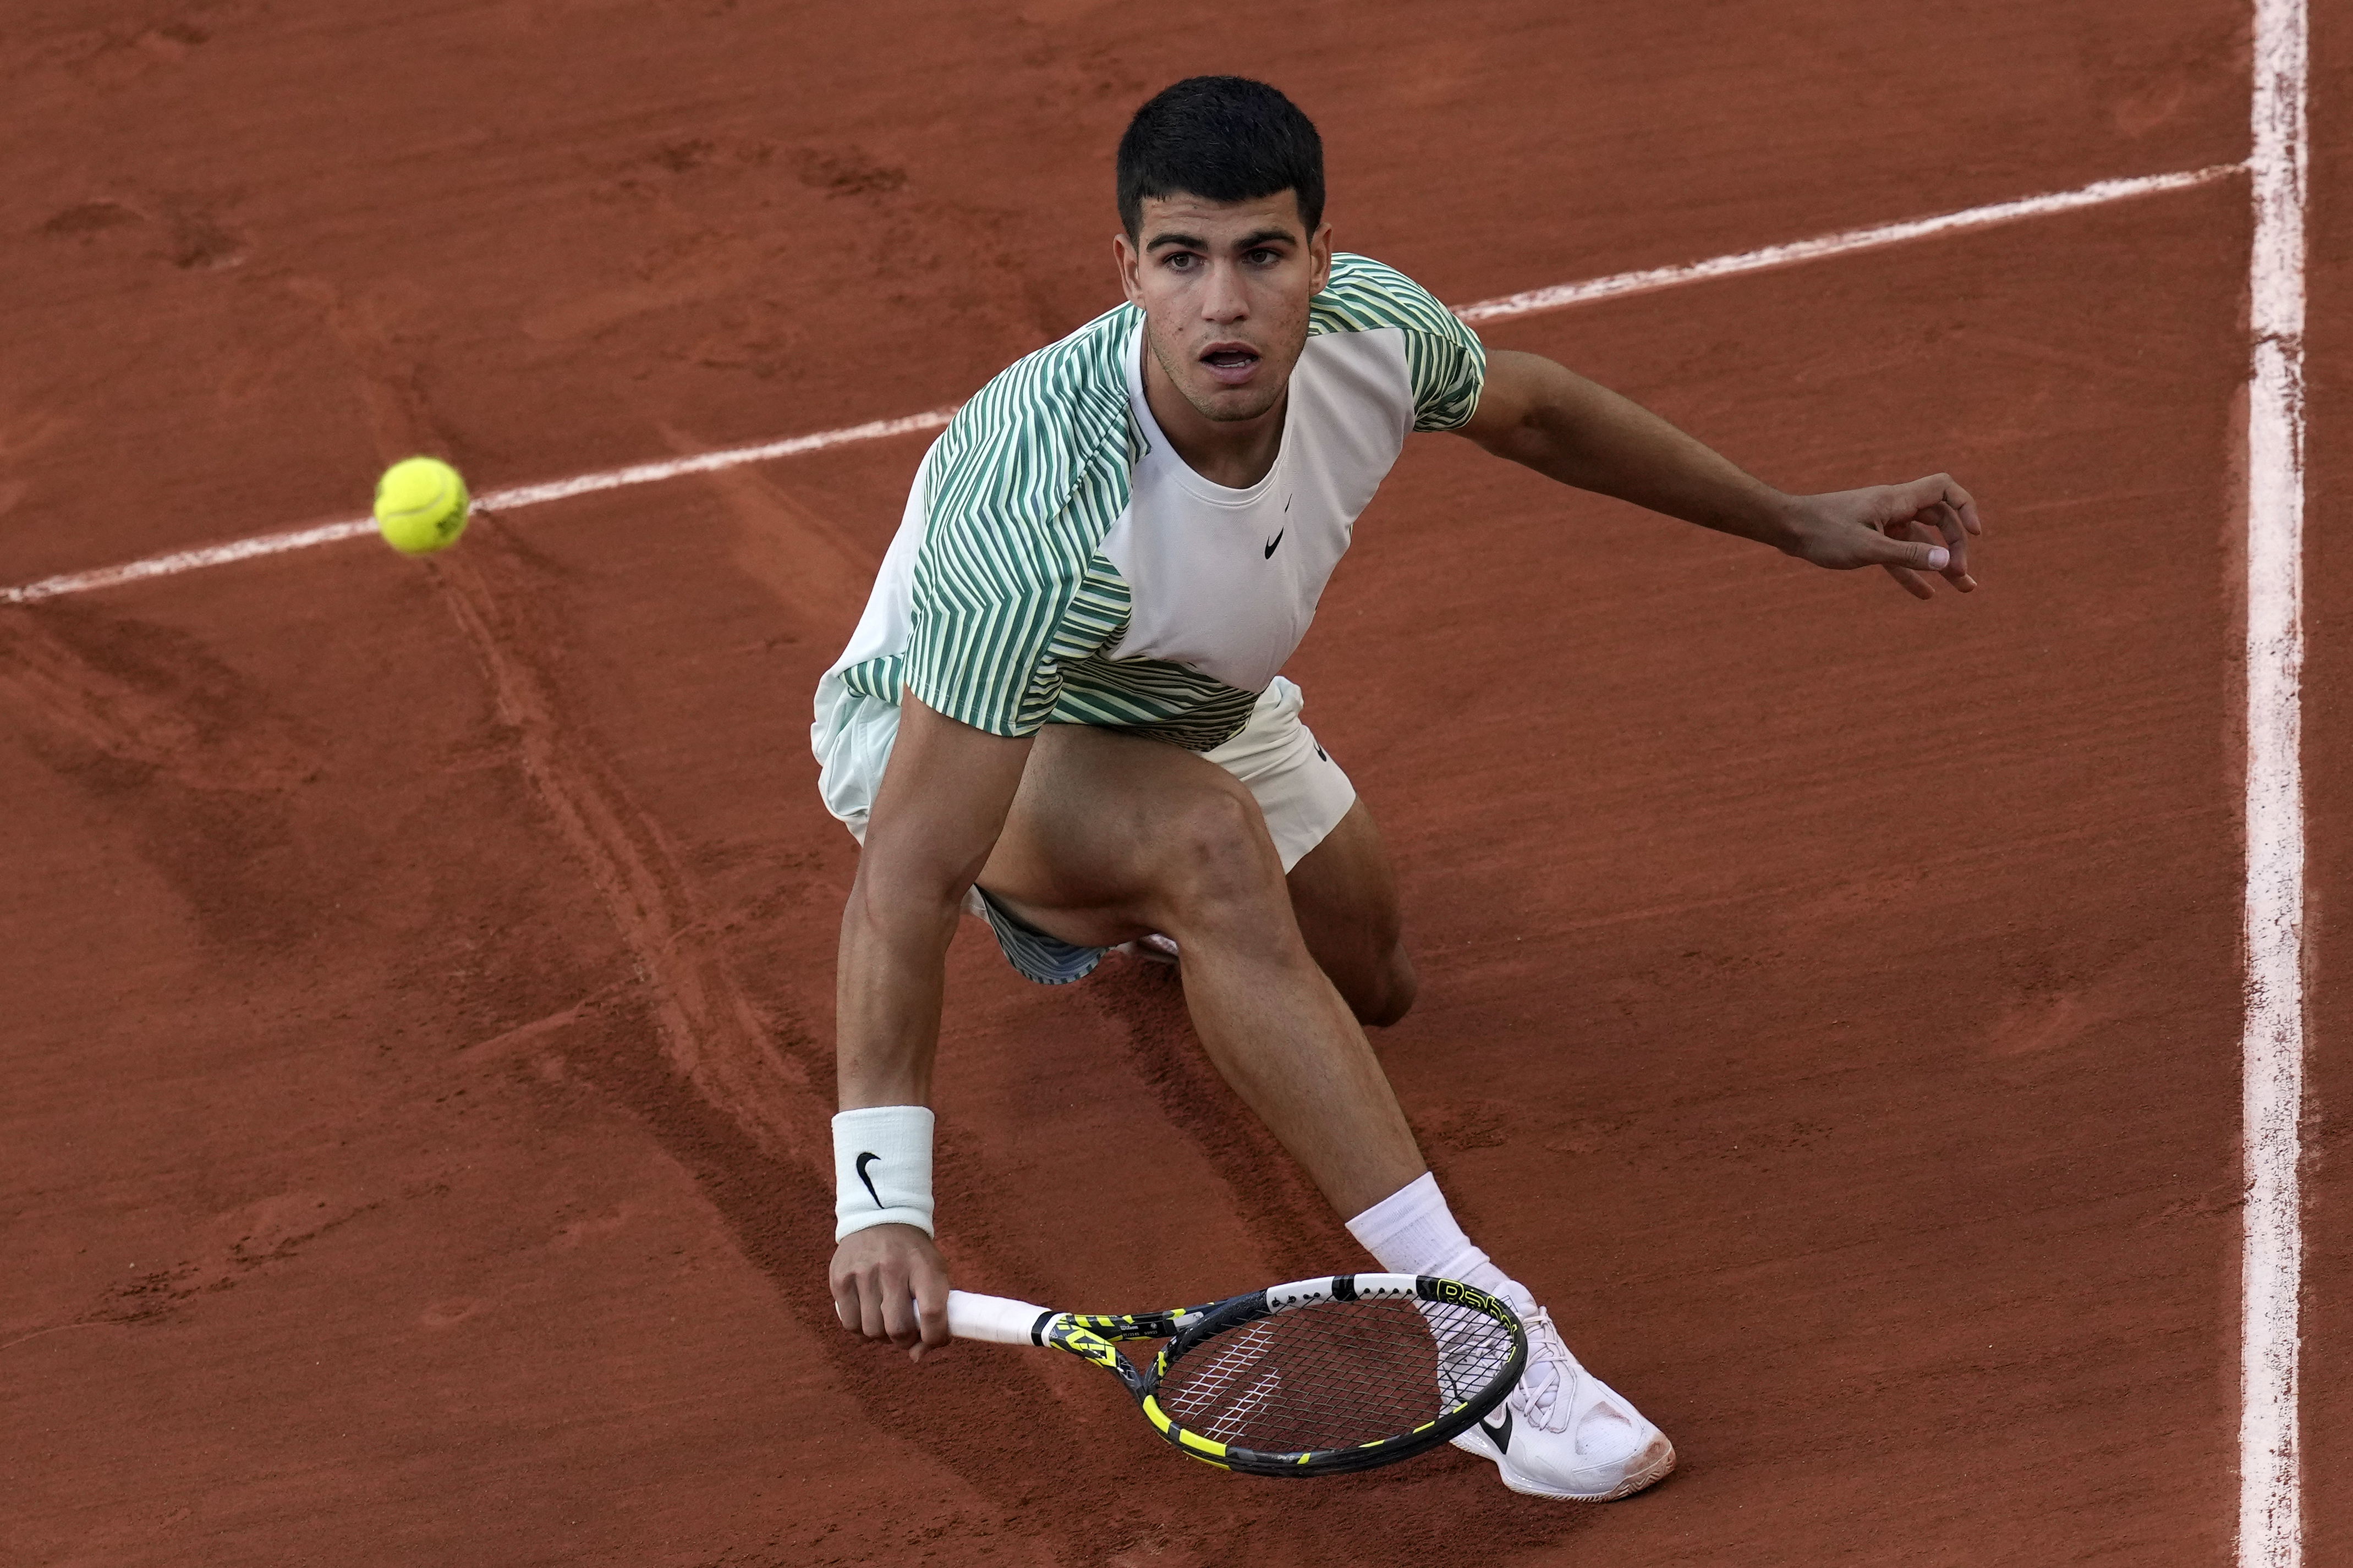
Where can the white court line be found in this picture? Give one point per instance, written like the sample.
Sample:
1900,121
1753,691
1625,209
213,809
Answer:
2096,193
2272,1047
1554,299
507,499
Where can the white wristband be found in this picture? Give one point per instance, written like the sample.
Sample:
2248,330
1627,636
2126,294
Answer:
881,1168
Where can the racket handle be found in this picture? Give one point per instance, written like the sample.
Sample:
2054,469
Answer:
995,1319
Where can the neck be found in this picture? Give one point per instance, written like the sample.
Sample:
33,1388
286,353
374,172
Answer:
1235,453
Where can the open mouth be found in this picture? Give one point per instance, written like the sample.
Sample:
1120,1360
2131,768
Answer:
1230,363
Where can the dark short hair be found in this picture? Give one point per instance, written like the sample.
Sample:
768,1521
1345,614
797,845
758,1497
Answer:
1224,139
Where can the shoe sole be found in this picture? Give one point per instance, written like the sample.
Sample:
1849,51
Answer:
1652,1466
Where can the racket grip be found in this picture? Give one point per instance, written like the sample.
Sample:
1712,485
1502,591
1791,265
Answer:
999,1320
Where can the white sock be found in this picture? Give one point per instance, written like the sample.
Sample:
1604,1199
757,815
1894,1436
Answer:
1412,1231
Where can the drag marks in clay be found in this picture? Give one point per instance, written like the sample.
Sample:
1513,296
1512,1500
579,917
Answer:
730,1094
187,232
261,1236
147,699
709,1029
158,734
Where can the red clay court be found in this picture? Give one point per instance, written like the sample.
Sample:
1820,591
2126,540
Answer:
417,976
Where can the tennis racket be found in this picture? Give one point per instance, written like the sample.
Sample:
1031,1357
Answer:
1315,1378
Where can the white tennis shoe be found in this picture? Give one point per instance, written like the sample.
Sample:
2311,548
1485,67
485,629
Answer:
1563,1433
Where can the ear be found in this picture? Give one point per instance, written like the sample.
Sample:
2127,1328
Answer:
1130,264
1319,255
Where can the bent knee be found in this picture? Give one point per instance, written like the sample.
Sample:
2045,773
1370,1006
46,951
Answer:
1217,852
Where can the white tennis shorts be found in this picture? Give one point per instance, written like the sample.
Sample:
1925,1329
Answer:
1301,791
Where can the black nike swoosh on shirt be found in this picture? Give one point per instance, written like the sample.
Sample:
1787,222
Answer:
1502,1435
863,1160
1275,540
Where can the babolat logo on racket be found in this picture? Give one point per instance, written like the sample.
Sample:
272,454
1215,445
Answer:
1088,1345
1456,1292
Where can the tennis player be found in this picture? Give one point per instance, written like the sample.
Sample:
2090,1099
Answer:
1072,666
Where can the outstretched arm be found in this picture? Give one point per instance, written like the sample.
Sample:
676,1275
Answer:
942,805
1554,421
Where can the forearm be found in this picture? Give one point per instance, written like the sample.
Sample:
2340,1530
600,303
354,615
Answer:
1583,434
886,1276
935,819
888,990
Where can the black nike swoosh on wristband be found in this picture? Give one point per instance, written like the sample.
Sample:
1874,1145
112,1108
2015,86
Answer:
863,1160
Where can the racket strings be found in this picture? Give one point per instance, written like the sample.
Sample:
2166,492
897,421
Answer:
1336,1376
1471,1350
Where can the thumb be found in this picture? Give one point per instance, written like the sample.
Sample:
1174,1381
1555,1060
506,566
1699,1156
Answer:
1886,552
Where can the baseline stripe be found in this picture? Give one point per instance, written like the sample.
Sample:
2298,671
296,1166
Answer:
2099,193
1560,296
509,500
711,462
2273,1044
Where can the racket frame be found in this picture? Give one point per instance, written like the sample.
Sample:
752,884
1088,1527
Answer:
1096,1338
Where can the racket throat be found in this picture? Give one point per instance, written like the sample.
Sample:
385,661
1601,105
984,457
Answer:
1066,1331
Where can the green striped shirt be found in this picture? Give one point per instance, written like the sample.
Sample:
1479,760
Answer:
1065,573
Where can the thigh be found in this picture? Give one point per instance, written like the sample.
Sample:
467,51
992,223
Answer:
1344,894
1104,827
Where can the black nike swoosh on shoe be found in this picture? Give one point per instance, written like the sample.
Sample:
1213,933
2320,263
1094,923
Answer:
1501,1435
863,1160
1275,540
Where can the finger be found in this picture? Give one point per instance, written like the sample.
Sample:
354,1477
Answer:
899,1310
1941,523
1951,529
1912,499
1910,532
1961,501
931,1290
870,1306
1956,571
1887,549
1910,582
1963,504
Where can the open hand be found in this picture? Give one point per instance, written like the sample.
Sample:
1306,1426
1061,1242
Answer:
1915,532
889,1283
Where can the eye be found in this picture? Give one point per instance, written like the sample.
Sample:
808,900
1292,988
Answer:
1263,257
1181,261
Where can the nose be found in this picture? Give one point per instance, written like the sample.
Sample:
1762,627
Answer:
1224,300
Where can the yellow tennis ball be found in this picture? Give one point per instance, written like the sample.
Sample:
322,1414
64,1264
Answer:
420,505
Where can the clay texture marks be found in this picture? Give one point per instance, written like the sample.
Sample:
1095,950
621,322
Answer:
739,1097
712,1034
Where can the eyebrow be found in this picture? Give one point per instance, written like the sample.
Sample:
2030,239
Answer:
1247,242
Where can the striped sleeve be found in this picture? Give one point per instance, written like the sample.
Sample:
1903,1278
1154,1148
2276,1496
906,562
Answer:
1444,357
1028,478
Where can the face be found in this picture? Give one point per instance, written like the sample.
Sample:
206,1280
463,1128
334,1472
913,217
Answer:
1224,286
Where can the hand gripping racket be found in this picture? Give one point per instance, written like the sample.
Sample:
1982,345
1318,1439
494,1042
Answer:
1314,1378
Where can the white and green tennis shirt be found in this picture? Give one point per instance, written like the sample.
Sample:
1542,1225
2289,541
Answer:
1060,564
